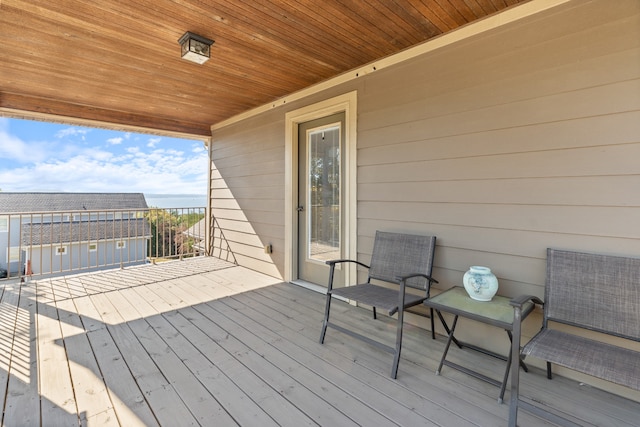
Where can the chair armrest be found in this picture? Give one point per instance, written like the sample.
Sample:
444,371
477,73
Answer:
520,300
332,267
403,289
409,276
333,262
518,303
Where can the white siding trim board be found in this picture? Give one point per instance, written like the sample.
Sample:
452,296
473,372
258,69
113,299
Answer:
347,103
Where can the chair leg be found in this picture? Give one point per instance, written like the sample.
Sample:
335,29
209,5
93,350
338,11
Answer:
325,322
396,358
433,326
375,316
549,375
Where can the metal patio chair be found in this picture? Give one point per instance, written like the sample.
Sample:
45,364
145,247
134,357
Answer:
401,259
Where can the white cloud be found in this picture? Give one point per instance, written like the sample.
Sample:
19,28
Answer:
77,167
115,141
14,149
103,172
71,132
99,155
153,142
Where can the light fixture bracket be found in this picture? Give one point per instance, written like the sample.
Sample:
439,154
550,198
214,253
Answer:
195,48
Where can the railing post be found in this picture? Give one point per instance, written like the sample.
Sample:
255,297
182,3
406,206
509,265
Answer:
208,229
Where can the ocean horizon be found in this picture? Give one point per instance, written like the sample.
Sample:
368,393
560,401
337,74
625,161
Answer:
176,200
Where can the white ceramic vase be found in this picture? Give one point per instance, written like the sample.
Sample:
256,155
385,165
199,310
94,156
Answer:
480,283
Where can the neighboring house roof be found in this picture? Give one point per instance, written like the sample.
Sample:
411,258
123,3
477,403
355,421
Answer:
65,202
198,230
55,233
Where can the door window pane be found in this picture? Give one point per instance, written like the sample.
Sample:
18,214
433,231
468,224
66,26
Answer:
324,193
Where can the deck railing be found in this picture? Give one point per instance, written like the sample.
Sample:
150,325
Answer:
52,243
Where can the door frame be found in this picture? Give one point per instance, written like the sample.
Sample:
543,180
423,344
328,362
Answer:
346,103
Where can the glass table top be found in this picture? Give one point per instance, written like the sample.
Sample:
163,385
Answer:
498,311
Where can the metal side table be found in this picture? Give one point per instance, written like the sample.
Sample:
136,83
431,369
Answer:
497,312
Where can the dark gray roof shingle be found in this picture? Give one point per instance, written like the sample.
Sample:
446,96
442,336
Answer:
65,202
65,232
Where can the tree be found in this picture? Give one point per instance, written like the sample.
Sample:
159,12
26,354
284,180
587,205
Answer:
168,237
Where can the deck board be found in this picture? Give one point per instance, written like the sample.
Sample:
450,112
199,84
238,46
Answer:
287,358
9,299
195,349
320,369
88,385
282,381
403,397
22,403
131,404
374,366
202,342
181,398
59,409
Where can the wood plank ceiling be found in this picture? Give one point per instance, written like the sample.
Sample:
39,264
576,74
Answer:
118,62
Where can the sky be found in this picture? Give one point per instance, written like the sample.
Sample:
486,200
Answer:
39,156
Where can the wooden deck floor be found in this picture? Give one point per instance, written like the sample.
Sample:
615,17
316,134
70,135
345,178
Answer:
202,342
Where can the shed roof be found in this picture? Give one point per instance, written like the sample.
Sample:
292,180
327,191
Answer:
65,232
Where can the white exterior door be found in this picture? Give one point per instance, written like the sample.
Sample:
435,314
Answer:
320,210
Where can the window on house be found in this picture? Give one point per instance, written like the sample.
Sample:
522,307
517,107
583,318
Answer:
13,254
4,224
93,247
121,244
61,250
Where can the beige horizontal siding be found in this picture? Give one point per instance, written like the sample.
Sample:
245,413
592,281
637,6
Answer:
614,190
504,145
247,191
583,132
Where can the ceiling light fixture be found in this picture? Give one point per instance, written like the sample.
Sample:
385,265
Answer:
195,48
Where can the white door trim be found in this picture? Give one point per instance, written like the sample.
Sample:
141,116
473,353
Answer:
346,103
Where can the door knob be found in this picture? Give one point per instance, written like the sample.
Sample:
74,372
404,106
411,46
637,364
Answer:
300,208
